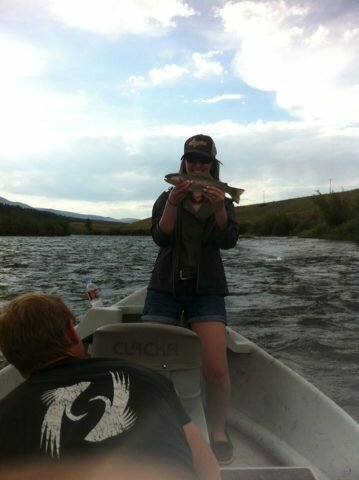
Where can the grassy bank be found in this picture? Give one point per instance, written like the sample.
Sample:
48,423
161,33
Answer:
333,216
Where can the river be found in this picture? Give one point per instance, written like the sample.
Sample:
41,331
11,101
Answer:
296,298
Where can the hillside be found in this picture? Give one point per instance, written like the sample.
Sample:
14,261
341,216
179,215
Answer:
18,220
332,216
69,215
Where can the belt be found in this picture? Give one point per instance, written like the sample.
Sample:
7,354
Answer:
183,275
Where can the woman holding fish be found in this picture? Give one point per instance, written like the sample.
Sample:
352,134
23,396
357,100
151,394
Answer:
191,223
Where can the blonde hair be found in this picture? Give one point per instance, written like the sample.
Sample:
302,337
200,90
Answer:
33,330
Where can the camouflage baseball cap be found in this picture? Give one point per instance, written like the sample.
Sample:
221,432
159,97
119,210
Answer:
202,144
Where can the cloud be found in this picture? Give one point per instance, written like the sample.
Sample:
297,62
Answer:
158,76
24,108
30,60
284,159
39,117
309,61
203,66
71,135
199,67
221,98
119,17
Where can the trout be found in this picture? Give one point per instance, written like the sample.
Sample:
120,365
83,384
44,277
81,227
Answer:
201,181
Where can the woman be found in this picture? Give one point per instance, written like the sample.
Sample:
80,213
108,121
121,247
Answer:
188,275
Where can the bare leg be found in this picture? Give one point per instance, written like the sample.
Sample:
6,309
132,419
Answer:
215,369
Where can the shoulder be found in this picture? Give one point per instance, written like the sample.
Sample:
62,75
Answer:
163,197
159,204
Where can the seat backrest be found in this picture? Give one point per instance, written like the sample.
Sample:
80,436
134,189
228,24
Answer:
172,351
162,348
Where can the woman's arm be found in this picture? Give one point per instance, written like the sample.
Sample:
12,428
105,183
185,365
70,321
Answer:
168,219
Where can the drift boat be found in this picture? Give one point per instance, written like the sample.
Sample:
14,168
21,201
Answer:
281,426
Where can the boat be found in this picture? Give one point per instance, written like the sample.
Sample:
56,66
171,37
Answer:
282,427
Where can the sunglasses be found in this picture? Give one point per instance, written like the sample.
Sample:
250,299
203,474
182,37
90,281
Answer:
198,159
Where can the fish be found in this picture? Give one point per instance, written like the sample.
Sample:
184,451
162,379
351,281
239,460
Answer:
201,181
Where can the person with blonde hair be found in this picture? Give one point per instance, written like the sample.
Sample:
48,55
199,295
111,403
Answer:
70,405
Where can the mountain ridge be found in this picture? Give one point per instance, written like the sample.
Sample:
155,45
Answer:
63,213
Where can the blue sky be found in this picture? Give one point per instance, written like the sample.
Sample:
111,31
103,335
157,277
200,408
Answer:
98,96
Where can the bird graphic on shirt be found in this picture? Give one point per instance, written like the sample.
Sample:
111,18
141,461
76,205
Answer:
60,401
117,417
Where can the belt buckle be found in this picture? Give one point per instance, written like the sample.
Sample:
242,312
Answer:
182,277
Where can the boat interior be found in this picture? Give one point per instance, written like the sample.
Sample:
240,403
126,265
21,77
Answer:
175,352
271,440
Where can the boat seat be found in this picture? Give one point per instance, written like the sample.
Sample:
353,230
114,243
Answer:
175,352
10,378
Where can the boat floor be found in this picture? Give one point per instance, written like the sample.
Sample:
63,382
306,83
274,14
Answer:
283,473
247,453
251,462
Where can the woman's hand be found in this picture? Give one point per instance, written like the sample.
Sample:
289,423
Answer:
215,196
178,193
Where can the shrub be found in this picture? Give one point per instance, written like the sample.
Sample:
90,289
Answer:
333,207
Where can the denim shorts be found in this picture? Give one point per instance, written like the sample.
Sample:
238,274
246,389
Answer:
166,308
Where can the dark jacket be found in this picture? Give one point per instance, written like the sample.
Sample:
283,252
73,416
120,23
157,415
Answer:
211,278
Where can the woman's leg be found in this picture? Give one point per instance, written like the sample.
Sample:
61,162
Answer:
215,369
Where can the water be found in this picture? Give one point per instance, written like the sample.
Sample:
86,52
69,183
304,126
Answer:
296,298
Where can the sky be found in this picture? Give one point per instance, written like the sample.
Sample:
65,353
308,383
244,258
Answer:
98,96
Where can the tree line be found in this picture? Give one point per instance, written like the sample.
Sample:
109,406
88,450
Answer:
333,216
16,220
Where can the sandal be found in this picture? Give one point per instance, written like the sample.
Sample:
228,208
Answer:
223,450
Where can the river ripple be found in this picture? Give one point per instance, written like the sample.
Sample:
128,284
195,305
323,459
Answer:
296,298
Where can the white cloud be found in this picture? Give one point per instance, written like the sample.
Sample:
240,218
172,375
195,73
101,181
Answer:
203,66
118,17
199,67
318,38
69,135
34,120
311,66
350,34
221,98
38,117
158,76
23,112
261,19
20,60
284,159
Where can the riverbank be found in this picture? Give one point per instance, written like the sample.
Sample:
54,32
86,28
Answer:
331,216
